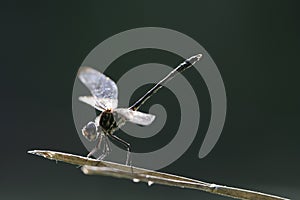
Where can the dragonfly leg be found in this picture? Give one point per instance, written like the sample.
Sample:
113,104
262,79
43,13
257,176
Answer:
127,146
96,147
106,149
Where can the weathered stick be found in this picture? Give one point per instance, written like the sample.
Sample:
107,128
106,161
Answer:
97,167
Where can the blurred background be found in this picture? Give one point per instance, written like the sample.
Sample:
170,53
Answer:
255,45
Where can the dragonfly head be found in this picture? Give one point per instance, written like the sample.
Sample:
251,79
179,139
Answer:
90,131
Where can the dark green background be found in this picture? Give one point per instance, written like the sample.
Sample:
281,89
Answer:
254,43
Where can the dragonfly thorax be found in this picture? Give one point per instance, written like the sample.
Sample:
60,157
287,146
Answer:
107,121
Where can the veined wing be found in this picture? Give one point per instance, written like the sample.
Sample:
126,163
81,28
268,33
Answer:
135,116
90,100
100,86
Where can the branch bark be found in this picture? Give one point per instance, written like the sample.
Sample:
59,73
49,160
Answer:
96,167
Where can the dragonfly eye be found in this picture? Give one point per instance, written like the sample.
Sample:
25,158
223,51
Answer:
90,131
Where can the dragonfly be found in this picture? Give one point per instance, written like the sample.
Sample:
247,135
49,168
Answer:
104,98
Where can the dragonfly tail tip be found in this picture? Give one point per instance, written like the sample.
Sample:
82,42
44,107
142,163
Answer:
199,56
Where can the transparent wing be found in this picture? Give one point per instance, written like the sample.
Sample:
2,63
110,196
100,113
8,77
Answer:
100,86
92,102
135,116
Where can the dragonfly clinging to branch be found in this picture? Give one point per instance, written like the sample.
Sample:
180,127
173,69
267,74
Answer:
105,99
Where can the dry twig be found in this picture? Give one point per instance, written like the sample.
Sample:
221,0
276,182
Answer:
97,167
